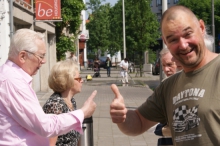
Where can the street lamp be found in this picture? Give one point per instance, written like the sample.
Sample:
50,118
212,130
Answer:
123,15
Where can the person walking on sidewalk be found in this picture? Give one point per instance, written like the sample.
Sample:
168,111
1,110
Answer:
23,121
187,100
124,70
65,81
108,64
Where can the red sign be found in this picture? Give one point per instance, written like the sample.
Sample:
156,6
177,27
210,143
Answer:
48,9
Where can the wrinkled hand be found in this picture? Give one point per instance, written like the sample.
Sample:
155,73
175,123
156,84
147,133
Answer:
89,105
118,110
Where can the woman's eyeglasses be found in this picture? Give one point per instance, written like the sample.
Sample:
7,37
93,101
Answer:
79,79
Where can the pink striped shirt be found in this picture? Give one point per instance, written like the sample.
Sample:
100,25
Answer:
22,120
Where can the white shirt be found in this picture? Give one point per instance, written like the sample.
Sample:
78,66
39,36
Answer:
124,64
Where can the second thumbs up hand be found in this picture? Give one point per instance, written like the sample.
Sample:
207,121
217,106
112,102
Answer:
118,110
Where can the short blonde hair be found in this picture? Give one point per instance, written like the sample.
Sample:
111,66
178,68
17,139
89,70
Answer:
62,75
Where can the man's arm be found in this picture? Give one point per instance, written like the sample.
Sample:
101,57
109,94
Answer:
130,122
135,124
25,109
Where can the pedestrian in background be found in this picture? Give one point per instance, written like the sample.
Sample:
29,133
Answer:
65,81
73,57
108,64
124,70
23,121
188,100
96,62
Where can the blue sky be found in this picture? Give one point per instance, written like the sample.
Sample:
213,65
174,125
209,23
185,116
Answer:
112,2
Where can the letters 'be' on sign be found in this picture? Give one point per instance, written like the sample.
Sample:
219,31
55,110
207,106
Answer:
48,10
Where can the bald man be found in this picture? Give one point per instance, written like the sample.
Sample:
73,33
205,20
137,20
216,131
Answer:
188,100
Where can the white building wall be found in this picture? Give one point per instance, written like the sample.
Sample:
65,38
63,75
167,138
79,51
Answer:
4,31
23,17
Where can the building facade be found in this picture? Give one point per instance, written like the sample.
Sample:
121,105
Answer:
156,6
17,14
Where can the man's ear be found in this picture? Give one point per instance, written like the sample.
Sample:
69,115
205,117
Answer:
202,26
22,56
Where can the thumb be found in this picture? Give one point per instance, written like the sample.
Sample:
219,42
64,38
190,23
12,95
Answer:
92,96
116,91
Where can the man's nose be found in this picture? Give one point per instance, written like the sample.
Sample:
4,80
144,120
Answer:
183,44
44,61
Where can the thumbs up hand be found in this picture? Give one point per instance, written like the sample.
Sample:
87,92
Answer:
118,110
89,105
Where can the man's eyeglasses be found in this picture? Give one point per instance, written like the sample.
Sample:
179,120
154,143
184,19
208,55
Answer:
79,79
37,55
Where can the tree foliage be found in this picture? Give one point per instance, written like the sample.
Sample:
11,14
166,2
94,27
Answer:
94,5
99,29
70,12
65,43
141,27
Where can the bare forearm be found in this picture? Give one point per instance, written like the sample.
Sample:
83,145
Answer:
132,125
135,124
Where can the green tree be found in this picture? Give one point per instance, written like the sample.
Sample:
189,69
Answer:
99,29
115,27
70,12
94,5
142,28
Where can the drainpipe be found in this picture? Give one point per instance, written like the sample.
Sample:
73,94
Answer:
11,17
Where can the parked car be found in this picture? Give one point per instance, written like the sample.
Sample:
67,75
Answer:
156,67
102,60
90,64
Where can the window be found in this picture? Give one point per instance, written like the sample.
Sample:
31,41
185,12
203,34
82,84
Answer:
176,1
151,4
159,2
159,14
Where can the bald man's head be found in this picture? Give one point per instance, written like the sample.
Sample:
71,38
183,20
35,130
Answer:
174,11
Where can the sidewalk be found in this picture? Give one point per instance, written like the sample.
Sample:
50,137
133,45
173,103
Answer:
105,133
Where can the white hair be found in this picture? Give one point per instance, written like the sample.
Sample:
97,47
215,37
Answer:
24,39
164,51
209,40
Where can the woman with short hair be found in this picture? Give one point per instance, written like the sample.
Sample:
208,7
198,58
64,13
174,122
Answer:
65,81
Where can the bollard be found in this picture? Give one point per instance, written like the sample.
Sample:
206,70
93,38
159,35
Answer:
87,138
